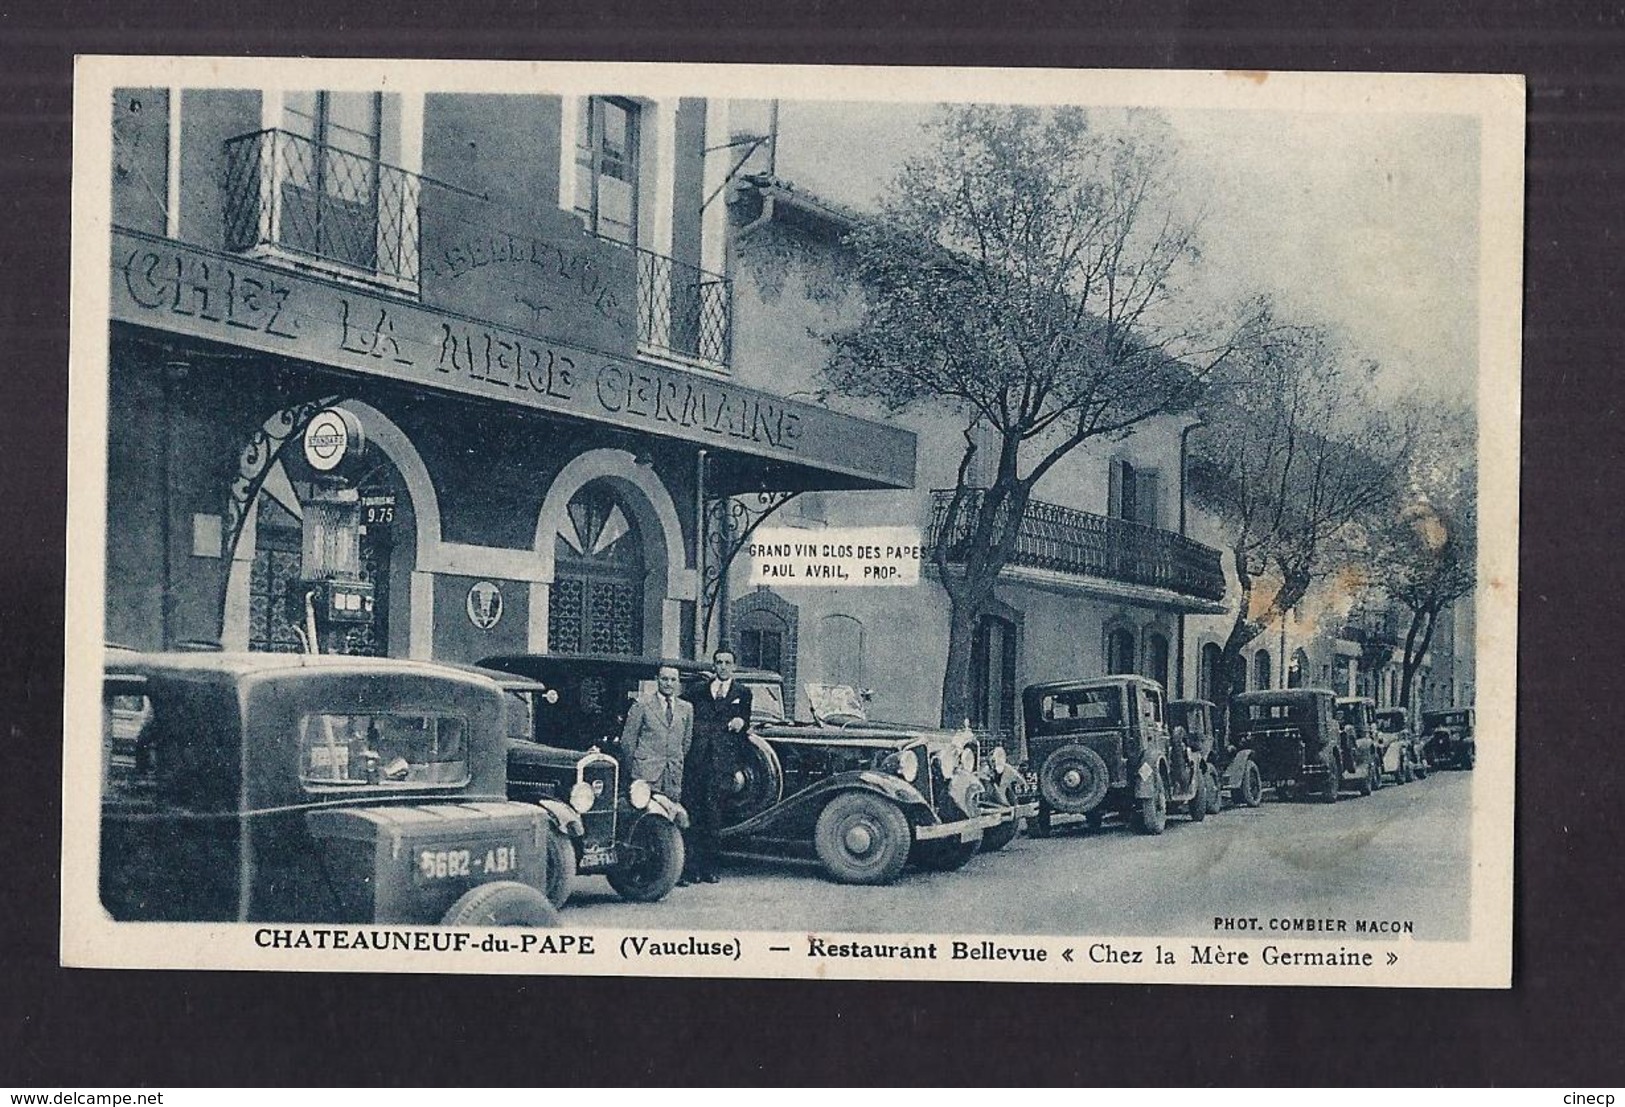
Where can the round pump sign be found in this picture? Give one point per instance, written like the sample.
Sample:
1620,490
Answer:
331,436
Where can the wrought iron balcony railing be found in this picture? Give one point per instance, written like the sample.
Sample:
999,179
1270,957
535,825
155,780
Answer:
320,203
684,312
1066,540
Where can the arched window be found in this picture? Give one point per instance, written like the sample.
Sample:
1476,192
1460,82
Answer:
597,599
1156,658
1261,670
1207,677
1120,651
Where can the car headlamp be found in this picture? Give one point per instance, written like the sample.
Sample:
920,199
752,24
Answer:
908,765
582,796
967,758
639,792
1000,759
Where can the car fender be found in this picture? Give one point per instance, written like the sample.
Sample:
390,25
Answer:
663,806
1234,771
805,805
562,817
1145,782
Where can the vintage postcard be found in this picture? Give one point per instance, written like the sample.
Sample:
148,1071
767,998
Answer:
765,521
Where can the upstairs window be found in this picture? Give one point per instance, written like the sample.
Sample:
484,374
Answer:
316,187
607,153
1132,494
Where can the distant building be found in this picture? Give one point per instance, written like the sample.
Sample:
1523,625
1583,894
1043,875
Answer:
521,302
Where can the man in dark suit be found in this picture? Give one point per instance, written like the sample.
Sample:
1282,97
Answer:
721,714
659,730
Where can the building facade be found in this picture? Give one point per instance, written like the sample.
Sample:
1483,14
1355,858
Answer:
1101,581
509,316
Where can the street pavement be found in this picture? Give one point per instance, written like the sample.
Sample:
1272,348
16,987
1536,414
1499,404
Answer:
1402,854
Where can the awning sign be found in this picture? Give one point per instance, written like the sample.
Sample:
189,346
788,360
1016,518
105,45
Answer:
863,556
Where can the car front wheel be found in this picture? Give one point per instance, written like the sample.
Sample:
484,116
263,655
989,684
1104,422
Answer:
651,862
1196,807
1215,793
862,839
502,903
561,867
1252,786
1151,813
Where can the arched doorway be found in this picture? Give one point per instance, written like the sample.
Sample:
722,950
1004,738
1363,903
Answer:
993,676
1156,657
599,576
1119,651
399,518
1298,671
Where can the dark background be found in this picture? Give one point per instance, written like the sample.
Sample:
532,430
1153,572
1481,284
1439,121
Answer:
1559,1025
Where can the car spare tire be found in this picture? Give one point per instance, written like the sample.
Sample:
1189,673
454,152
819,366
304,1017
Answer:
757,784
1074,779
502,903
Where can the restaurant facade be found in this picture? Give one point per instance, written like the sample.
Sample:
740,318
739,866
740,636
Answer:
440,375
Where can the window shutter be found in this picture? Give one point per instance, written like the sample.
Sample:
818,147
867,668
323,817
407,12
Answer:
1145,491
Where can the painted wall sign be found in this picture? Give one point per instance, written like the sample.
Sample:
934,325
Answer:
869,556
157,282
484,605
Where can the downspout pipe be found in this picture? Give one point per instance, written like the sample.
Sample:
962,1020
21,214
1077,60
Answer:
1184,459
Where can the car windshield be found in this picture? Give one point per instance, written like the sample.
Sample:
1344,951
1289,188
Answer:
1447,718
766,700
1391,724
1083,709
389,749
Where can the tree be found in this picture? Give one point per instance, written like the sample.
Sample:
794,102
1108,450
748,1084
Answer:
1427,558
1293,458
1025,273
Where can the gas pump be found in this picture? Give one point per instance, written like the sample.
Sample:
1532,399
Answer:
330,598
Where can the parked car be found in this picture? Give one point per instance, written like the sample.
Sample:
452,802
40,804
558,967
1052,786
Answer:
1450,738
1297,744
1359,714
567,757
1402,756
868,797
291,788
1103,745
1231,771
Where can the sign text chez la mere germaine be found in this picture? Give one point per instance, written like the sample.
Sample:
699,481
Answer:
161,283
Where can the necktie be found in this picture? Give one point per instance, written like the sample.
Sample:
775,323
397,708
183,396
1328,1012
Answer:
668,709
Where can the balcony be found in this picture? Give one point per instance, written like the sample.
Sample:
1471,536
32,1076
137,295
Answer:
685,313
1061,540
329,208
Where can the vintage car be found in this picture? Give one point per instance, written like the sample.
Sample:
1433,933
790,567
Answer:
1103,745
292,788
567,758
869,797
1359,714
1450,740
1231,772
1297,744
1402,756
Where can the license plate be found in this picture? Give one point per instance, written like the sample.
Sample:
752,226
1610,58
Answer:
459,862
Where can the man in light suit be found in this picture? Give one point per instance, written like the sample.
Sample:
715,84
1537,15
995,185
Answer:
659,730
